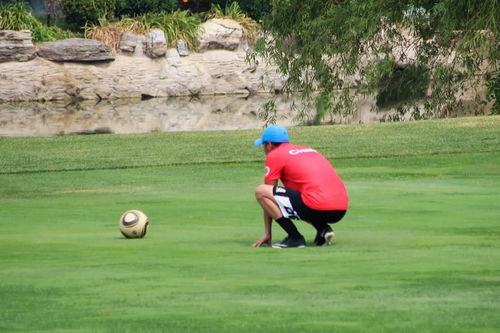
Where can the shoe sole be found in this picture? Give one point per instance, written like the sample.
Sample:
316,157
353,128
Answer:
287,247
328,238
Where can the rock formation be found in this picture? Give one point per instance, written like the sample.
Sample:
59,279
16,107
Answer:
16,46
220,34
81,69
76,50
155,45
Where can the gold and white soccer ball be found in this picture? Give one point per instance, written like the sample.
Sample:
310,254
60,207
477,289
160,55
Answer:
134,224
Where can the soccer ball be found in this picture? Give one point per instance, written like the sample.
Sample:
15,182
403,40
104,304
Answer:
134,224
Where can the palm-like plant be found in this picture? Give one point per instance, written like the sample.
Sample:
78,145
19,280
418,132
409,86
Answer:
234,12
17,16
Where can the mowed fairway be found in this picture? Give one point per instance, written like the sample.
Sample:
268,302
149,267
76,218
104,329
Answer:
419,250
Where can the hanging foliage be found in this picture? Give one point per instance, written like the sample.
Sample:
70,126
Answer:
331,51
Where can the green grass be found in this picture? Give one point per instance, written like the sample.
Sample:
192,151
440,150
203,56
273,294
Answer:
419,250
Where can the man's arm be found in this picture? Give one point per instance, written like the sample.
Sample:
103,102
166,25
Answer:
267,237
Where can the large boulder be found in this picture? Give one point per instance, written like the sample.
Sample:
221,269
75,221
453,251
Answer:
76,50
16,46
220,34
132,44
155,45
128,42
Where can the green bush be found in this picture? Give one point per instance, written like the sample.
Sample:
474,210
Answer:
234,12
78,13
493,85
176,25
255,9
405,84
396,84
43,33
134,8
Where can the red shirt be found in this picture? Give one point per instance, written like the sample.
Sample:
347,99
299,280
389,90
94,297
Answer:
305,170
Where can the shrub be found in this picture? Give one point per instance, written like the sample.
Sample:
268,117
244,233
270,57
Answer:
176,25
396,84
110,33
234,12
43,33
134,8
493,85
79,13
255,9
404,85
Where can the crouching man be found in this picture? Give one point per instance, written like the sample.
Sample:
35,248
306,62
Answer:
312,191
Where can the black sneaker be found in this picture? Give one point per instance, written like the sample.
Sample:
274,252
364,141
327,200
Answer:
290,242
324,238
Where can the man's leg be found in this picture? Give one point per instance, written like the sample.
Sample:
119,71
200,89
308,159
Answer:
324,236
319,226
325,232
265,197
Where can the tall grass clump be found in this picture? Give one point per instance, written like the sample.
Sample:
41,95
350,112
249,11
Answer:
17,16
234,12
179,25
110,32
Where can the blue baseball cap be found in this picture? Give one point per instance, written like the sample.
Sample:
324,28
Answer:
273,133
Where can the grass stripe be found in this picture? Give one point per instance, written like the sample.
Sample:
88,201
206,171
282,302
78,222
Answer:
445,136
418,250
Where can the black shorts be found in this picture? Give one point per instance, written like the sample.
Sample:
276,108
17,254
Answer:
292,207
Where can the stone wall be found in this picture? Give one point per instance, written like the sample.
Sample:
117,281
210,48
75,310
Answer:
71,69
208,73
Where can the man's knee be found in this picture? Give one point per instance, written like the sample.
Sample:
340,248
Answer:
263,191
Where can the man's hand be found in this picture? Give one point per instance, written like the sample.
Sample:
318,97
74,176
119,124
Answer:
266,239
